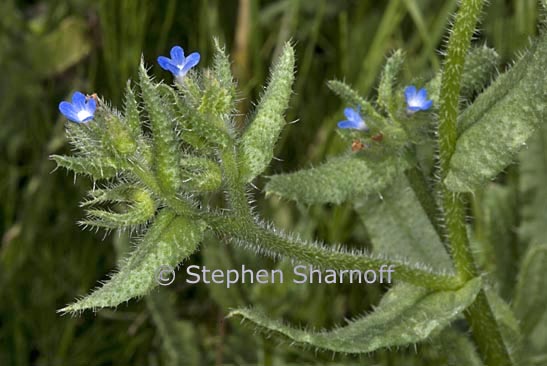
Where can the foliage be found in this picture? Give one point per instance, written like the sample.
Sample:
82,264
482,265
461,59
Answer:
177,172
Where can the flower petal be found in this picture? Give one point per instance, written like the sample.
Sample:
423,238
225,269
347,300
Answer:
177,55
410,92
78,100
356,125
191,61
348,124
427,105
91,105
164,62
351,114
168,65
422,94
69,111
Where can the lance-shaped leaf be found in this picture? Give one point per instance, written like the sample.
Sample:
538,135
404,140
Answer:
507,323
140,207
165,142
533,190
352,98
169,241
530,300
406,315
200,174
399,227
480,66
97,168
478,70
455,348
131,111
337,180
388,78
222,73
258,141
501,120
495,220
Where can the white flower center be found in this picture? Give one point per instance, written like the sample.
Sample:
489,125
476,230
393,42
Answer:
415,102
83,114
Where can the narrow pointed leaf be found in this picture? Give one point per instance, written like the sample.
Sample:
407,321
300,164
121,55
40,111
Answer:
456,348
530,303
388,78
166,154
479,68
350,97
406,315
533,190
169,241
337,180
98,169
501,120
258,141
399,227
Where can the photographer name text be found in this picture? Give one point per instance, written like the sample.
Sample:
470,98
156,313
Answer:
300,274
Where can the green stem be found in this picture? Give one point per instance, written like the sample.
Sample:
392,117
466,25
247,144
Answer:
479,315
180,206
458,44
269,240
234,186
423,193
241,228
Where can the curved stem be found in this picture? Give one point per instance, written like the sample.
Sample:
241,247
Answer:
271,241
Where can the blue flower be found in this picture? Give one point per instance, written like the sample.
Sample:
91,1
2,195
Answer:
80,110
354,120
417,100
178,65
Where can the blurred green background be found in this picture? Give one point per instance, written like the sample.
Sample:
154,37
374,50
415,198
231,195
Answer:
48,49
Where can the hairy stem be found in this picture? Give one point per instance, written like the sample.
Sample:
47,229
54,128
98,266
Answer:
479,315
241,228
271,241
460,39
233,185
420,187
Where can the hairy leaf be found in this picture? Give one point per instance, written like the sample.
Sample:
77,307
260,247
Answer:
258,141
337,180
479,68
533,190
500,122
98,169
200,174
387,81
352,98
406,315
399,227
131,111
166,154
507,324
496,249
223,75
478,71
455,348
169,240
530,296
